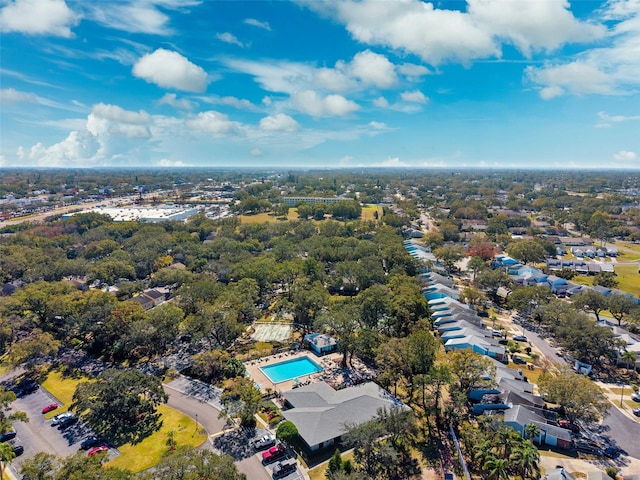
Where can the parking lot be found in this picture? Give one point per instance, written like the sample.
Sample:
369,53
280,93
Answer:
38,435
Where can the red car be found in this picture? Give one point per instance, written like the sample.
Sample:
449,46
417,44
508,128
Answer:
273,453
100,449
50,408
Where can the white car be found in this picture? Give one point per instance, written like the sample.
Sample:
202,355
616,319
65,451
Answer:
260,443
635,397
61,418
520,338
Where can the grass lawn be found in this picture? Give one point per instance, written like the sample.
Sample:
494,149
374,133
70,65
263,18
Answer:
318,473
267,217
583,280
628,278
62,388
149,452
369,211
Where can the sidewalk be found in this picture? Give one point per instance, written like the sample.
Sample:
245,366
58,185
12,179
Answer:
614,398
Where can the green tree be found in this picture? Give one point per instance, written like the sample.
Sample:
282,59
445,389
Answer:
526,251
241,399
606,279
41,467
532,430
37,345
6,456
470,370
186,463
497,468
7,416
580,397
590,300
449,255
287,433
620,306
629,357
525,459
120,405
475,265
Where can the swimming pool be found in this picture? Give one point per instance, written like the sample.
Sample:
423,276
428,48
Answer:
290,369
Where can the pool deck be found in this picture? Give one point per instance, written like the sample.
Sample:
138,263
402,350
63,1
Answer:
332,373
253,367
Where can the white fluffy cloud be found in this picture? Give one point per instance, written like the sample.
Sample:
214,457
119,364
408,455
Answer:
412,71
230,38
213,122
438,35
609,69
279,123
114,120
364,70
625,156
257,23
172,100
38,17
373,69
79,148
169,69
314,104
235,102
578,78
381,102
256,152
415,96
533,25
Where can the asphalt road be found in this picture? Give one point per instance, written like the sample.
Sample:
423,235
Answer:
623,431
206,414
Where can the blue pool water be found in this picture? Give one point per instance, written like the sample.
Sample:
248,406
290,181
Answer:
290,369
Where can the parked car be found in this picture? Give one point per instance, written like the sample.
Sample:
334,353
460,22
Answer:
611,451
496,333
98,449
8,435
635,397
503,341
263,442
91,442
284,468
518,360
50,408
18,450
67,421
60,417
26,387
587,447
520,338
636,412
274,453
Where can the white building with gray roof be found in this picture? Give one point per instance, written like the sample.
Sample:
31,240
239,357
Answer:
321,413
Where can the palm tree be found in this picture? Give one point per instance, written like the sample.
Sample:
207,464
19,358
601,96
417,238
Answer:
483,452
526,460
497,468
6,456
506,438
532,431
629,357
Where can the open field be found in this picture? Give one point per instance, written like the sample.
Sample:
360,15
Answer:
628,278
149,451
268,217
62,388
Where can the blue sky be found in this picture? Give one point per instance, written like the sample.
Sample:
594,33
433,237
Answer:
338,83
